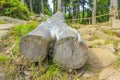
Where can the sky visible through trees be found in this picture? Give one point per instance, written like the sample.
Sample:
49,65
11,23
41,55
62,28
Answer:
51,4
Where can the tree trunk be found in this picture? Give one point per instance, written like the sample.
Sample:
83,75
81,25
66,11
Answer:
57,38
65,8
60,5
23,1
69,12
113,10
78,9
42,7
31,6
55,6
94,12
83,11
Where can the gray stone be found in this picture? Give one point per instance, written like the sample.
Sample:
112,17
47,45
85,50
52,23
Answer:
88,37
109,74
3,33
88,74
6,26
110,47
117,32
100,58
105,28
87,30
116,24
119,48
11,20
95,42
102,35
2,77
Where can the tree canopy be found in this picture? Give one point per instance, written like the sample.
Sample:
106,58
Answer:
72,9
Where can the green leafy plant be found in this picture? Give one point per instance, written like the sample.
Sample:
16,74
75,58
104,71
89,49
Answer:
4,59
14,8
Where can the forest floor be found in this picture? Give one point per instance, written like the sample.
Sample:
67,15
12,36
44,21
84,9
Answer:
103,41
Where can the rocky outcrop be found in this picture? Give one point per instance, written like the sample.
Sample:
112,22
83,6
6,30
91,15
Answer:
100,58
110,47
116,24
11,20
109,74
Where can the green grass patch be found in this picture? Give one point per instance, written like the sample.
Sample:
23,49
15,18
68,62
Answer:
115,43
95,37
110,32
4,59
118,61
23,29
2,22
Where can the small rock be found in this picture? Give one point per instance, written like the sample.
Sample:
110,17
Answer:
119,46
109,74
105,28
88,37
116,24
87,30
97,42
88,74
39,18
100,58
117,32
2,76
11,20
102,35
109,47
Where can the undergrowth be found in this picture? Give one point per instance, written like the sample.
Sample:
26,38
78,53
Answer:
14,8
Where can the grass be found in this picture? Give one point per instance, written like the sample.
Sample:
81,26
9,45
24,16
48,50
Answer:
110,32
2,22
4,59
118,61
115,43
95,37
